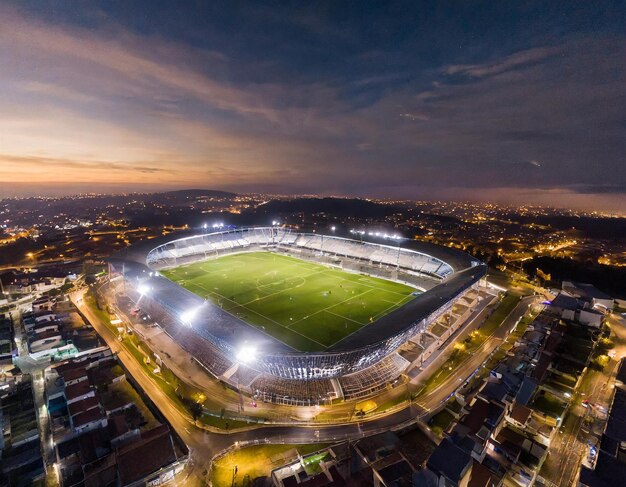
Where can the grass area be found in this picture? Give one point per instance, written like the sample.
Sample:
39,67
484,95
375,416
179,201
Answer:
306,305
549,404
440,422
495,319
366,406
312,462
254,462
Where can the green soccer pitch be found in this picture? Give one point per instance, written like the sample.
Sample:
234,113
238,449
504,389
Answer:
308,306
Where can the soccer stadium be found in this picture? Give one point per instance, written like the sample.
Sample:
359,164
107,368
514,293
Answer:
291,317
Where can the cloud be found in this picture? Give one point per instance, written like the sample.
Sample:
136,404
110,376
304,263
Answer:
107,104
608,188
514,61
526,164
414,116
145,65
47,162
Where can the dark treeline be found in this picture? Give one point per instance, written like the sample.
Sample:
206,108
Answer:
610,279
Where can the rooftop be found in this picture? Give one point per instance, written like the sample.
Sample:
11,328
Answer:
77,390
87,417
83,405
449,460
155,449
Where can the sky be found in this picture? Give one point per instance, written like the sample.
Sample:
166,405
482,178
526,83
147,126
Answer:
513,102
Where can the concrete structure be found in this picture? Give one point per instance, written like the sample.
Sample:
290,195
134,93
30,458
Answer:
279,373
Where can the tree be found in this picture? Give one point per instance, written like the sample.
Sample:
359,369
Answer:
194,408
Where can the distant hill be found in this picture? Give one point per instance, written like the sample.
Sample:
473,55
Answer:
334,206
195,193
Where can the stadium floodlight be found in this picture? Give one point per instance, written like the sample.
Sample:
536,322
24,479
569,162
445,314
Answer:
246,354
333,228
143,289
205,226
187,316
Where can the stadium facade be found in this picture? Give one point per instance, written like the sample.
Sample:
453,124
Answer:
249,359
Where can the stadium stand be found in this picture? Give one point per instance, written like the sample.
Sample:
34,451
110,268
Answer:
192,249
299,393
202,351
371,380
245,376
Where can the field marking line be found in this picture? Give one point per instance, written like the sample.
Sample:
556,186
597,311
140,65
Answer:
277,292
329,307
293,261
290,263
303,276
283,290
346,318
261,328
332,275
220,269
390,308
361,278
394,305
258,327
356,331
280,325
